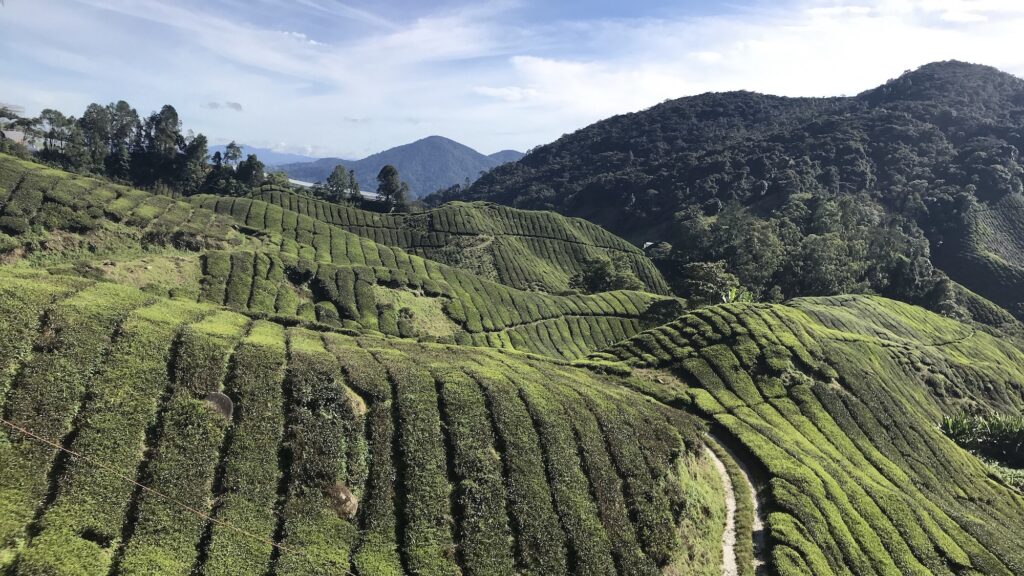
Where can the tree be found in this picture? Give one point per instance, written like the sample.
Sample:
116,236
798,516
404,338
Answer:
278,178
119,164
7,115
401,199
124,131
164,133
124,123
604,275
250,171
354,195
338,184
193,166
232,153
706,282
55,127
76,152
96,129
27,126
389,185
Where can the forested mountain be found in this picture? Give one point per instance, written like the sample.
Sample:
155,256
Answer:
888,191
503,156
427,165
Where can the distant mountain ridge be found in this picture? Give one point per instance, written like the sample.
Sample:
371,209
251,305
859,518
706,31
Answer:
268,156
428,165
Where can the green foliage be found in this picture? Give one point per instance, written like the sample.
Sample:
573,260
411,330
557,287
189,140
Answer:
869,193
391,188
250,462
48,392
480,489
605,275
151,152
704,282
525,250
320,412
82,527
182,466
703,516
832,402
996,436
356,447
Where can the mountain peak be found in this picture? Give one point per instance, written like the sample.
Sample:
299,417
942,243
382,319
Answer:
434,138
428,164
952,82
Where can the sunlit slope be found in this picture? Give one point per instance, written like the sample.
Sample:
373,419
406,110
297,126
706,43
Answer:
835,402
988,256
259,258
520,248
462,460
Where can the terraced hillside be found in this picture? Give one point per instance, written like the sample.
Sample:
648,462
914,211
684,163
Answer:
231,386
989,253
520,248
260,258
834,402
263,448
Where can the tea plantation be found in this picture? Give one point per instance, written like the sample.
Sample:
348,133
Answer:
259,258
460,458
274,385
988,253
836,402
520,248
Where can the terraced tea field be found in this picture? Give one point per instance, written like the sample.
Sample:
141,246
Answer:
240,386
988,259
519,248
459,458
836,400
259,258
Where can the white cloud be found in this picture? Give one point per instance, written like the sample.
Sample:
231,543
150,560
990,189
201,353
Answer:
366,80
707,56
507,93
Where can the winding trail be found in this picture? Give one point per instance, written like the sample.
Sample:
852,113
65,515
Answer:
729,535
729,566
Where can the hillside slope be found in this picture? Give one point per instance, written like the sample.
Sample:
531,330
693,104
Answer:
233,386
522,249
427,165
264,259
931,154
301,452
834,403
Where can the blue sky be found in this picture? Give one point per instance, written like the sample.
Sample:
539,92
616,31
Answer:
327,77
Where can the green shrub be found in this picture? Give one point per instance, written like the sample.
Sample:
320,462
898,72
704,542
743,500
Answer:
190,433
429,546
485,538
318,410
91,501
250,471
539,537
378,550
48,391
996,436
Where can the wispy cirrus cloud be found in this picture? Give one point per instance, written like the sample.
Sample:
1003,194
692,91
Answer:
350,78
